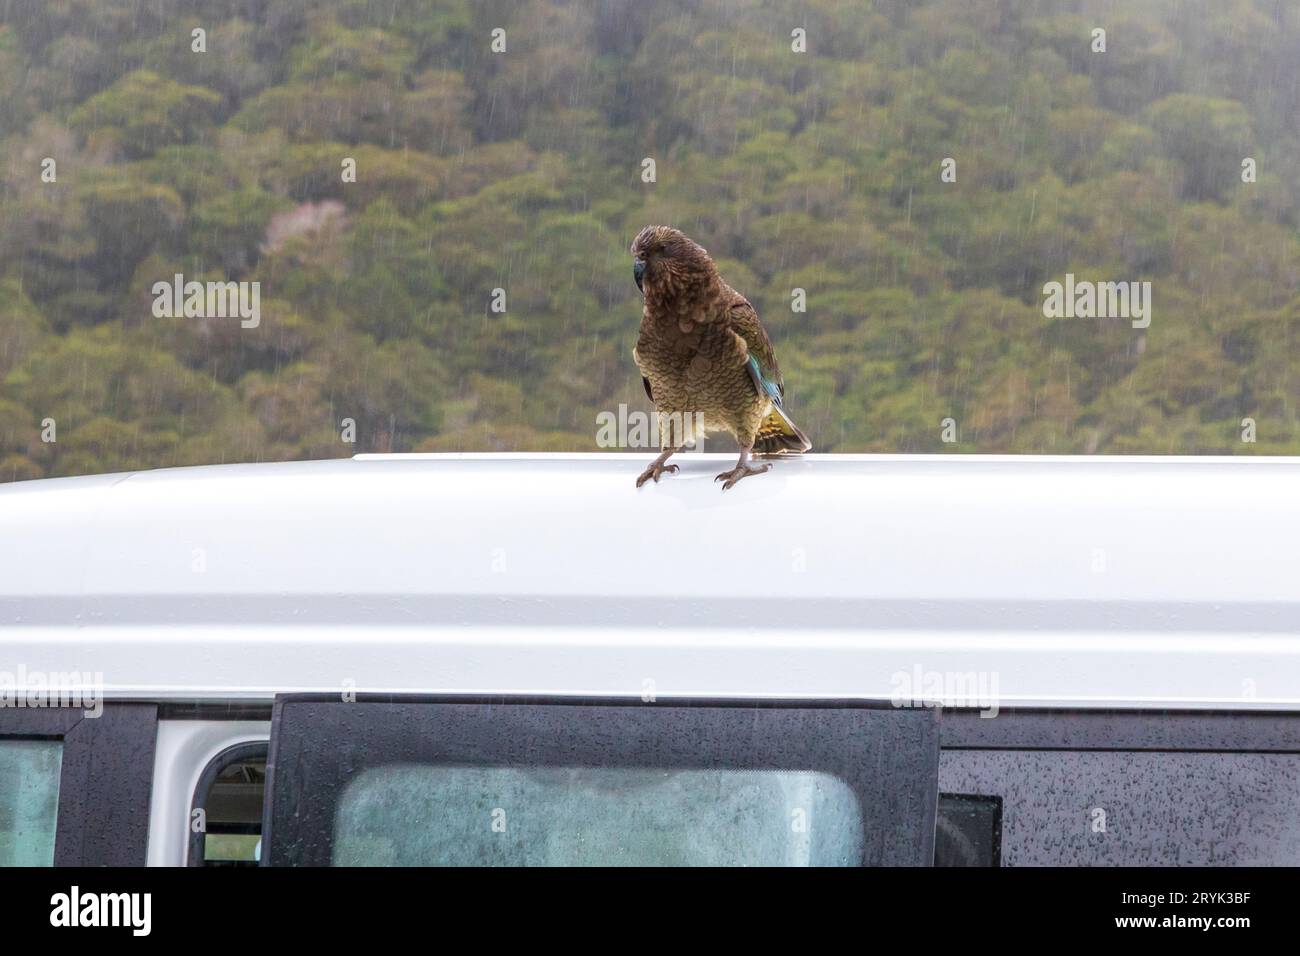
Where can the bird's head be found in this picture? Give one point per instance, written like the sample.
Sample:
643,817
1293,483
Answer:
663,253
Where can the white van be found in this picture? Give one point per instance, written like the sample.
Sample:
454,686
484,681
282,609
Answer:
519,659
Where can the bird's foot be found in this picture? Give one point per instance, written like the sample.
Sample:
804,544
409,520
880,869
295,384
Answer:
729,478
654,471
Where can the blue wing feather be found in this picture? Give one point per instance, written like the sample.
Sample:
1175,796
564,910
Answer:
770,387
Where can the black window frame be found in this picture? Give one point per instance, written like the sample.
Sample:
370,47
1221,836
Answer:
1015,729
235,753
105,778
888,756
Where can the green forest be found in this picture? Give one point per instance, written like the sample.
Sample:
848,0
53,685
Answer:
504,146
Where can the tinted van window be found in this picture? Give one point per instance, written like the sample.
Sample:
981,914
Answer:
567,782
29,801
458,816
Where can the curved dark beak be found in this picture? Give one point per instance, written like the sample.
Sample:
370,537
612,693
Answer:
638,272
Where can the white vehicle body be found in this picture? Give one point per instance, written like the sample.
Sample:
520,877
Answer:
1135,582
1107,583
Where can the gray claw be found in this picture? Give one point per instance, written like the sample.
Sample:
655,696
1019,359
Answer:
655,472
729,478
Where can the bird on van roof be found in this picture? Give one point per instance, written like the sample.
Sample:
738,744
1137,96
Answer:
705,359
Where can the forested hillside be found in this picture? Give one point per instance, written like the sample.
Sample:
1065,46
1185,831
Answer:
523,170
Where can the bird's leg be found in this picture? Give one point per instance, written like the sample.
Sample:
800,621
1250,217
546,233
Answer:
657,467
742,469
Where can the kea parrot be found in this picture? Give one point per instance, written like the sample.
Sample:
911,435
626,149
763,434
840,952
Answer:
705,359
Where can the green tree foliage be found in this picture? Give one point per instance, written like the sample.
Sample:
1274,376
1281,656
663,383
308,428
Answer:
143,112
522,171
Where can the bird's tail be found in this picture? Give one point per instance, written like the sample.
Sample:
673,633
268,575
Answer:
780,436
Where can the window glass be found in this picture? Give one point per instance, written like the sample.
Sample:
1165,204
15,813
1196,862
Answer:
968,830
232,808
29,801
232,849
410,815
1115,808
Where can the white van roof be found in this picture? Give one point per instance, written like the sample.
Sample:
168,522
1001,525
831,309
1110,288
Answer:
1079,581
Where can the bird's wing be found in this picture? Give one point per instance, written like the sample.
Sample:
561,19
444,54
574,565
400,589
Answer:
645,381
763,368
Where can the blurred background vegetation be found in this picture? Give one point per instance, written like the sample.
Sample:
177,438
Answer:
522,170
